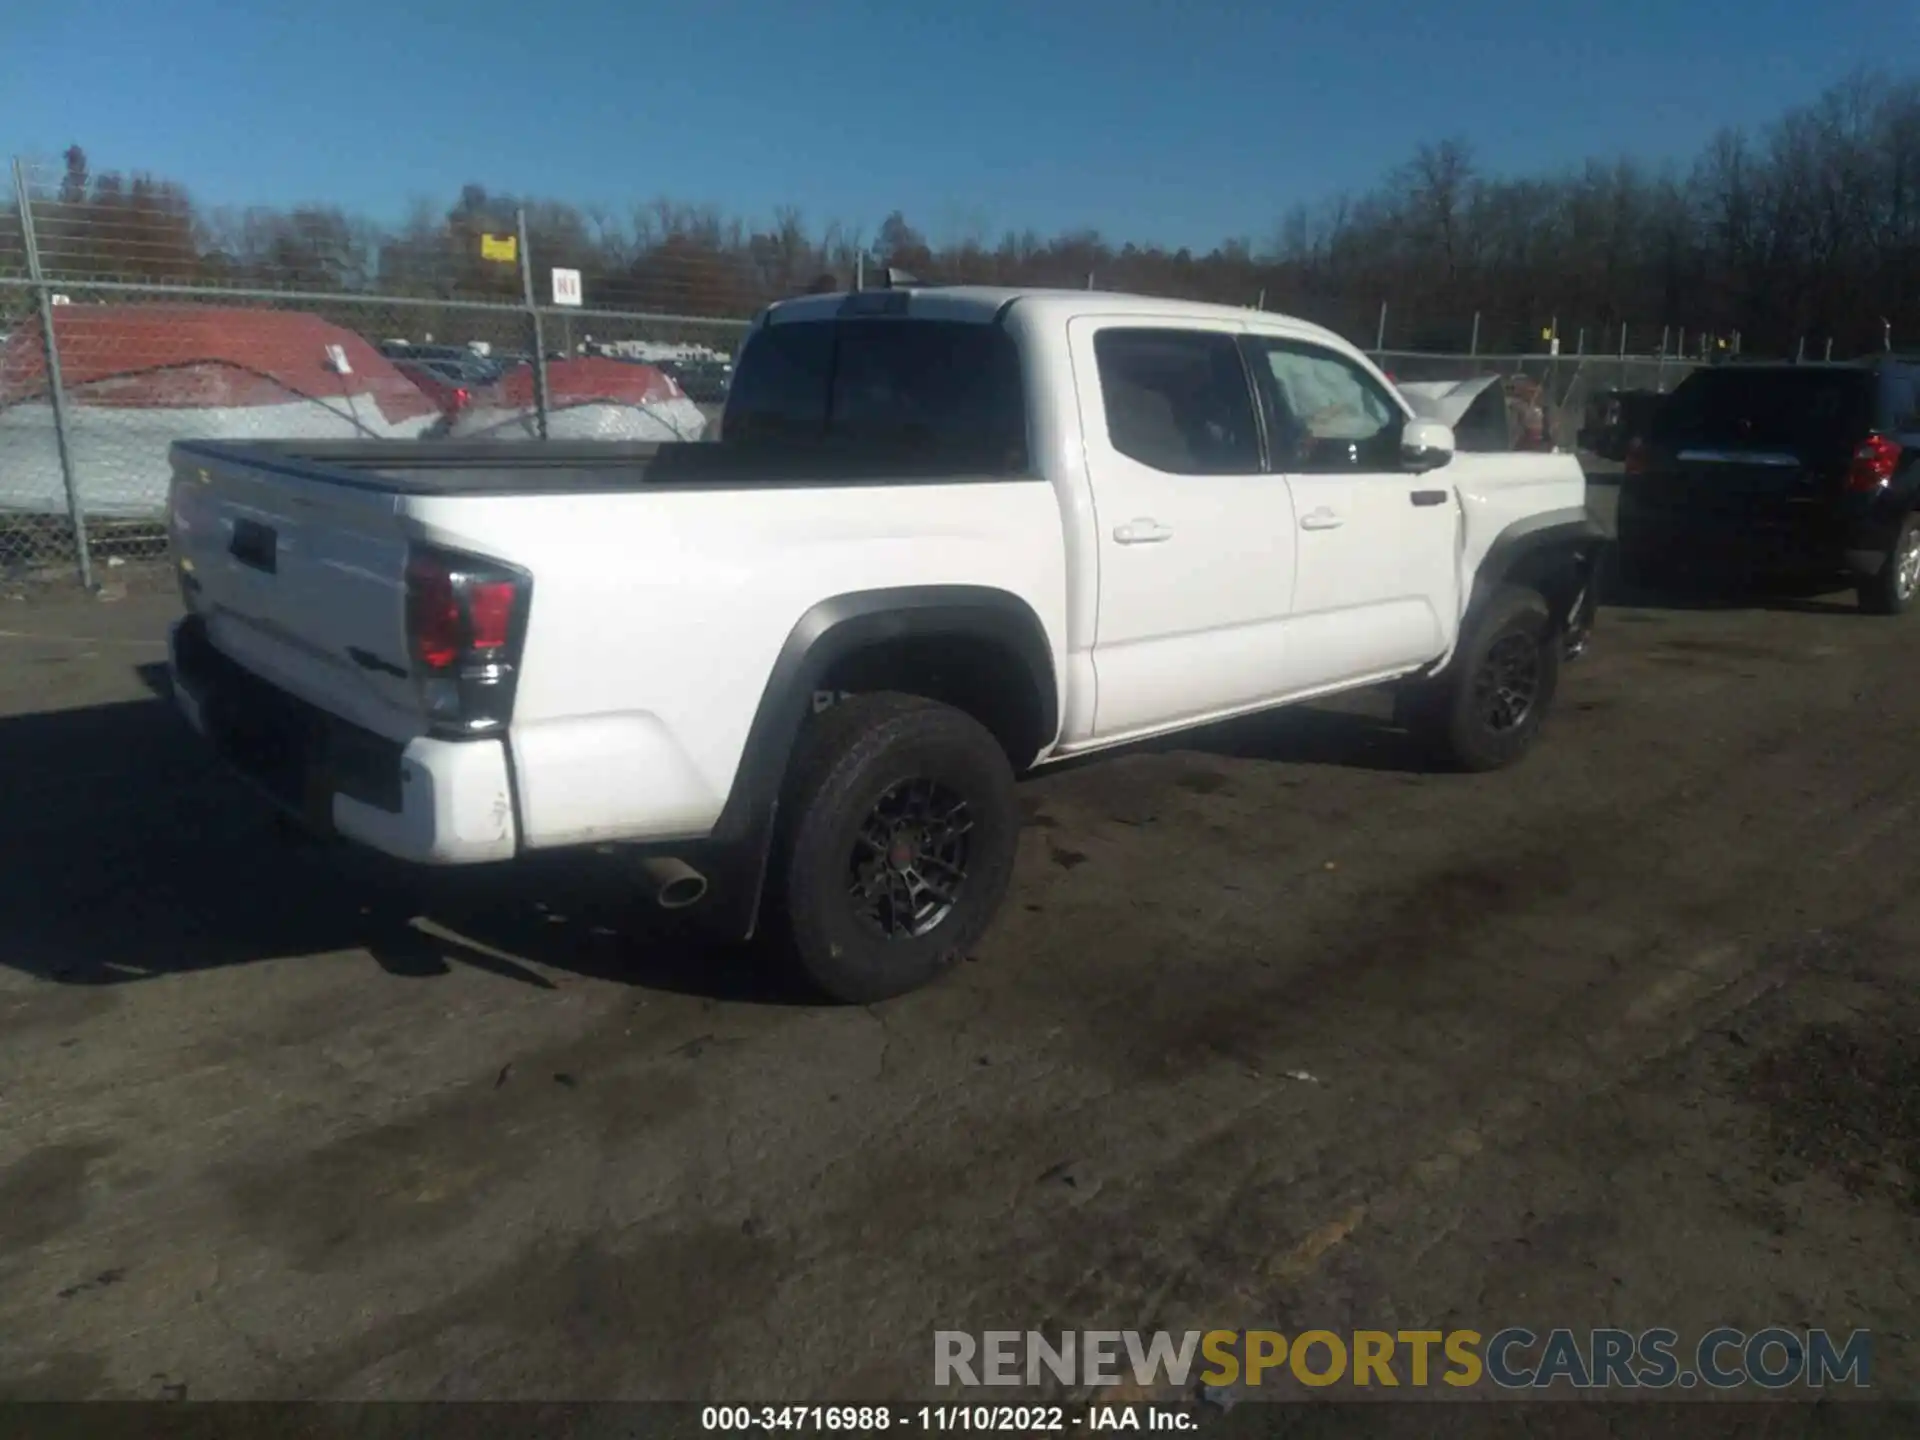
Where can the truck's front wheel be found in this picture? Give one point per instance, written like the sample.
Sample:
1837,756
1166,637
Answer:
898,845
1486,710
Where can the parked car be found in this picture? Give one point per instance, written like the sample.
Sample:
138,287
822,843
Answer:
1475,409
948,536
1759,470
703,382
454,362
444,382
1615,419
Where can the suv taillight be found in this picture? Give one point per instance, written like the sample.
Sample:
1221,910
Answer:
1636,463
1873,464
466,624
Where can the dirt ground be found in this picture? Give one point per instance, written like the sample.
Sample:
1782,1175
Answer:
1276,1028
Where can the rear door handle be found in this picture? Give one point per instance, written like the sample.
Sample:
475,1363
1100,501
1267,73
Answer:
1428,497
1142,530
1322,519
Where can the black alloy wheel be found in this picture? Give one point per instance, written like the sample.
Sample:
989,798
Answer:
1507,683
908,868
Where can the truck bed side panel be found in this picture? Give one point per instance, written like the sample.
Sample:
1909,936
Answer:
658,617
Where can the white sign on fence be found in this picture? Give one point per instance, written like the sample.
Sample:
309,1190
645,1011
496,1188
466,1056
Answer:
566,287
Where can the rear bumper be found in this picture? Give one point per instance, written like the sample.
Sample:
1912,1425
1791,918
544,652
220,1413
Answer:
1820,540
1711,543
434,802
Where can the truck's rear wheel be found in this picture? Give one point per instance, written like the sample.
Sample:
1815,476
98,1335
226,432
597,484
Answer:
1486,710
898,845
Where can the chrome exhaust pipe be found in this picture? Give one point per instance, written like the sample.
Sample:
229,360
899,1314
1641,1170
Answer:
676,884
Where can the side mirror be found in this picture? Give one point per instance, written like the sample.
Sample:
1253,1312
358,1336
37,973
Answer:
1425,445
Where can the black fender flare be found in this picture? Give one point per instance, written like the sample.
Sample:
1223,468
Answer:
1570,538
739,845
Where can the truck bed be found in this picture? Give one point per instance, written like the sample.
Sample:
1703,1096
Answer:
466,467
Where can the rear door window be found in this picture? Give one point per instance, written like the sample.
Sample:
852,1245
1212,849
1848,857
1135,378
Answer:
939,392
1178,400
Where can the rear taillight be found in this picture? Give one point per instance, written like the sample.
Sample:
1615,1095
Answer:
1636,463
466,622
1873,464
434,622
490,613
462,399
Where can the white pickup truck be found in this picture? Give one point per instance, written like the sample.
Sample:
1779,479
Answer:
948,535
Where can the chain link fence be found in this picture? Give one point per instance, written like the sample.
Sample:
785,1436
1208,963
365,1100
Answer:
129,320
126,323
1551,400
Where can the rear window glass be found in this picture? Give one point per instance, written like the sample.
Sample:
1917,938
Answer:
1902,401
1751,409
938,392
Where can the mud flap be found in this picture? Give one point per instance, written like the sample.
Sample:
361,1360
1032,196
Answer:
1585,609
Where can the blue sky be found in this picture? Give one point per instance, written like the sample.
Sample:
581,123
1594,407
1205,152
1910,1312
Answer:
1180,123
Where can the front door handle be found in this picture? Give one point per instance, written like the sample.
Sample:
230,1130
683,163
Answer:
1428,497
1143,530
1322,519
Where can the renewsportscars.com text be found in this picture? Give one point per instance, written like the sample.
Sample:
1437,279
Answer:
1514,1358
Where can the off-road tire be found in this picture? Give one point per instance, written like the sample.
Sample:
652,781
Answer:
1892,591
851,757
1450,714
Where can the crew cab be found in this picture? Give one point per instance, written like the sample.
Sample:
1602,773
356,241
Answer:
1757,470
950,535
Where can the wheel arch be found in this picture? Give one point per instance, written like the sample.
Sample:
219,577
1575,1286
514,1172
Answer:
1556,553
874,639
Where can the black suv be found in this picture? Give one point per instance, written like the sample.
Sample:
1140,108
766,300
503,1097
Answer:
1781,468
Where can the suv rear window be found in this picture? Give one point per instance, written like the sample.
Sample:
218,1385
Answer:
1900,401
1793,409
934,392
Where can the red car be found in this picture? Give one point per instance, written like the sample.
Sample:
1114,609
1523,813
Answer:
441,381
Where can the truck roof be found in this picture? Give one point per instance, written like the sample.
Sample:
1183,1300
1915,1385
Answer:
983,303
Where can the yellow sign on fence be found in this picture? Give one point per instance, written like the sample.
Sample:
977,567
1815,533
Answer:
500,247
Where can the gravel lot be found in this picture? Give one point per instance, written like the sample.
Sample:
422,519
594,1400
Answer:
1275,1028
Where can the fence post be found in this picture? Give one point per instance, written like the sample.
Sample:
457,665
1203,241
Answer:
1380,335
539,334
1800,351
1473,341
1551,411
1829,347
56,387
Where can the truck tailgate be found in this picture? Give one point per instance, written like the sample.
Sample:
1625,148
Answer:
302,582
